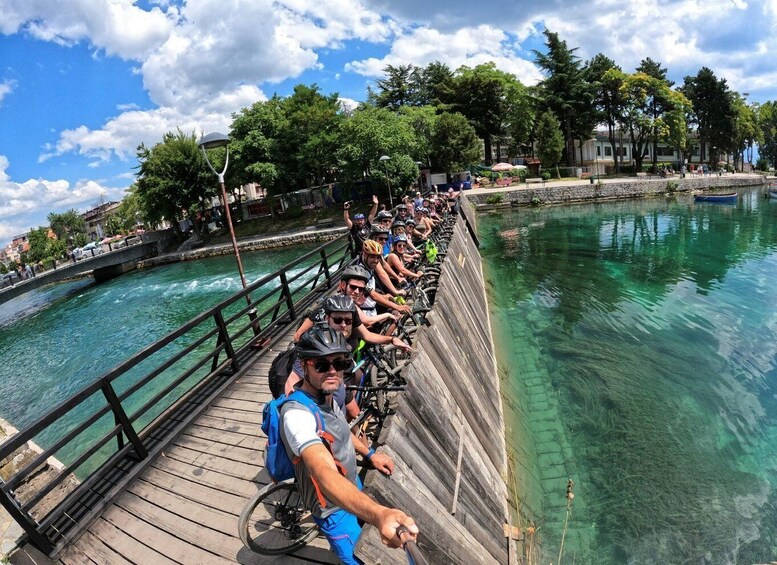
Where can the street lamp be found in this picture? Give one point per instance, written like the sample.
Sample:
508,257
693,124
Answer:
385,158
212,141
420,184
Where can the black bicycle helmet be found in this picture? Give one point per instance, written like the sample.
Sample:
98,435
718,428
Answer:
377,230
356,272
320,341
338,303
399,239
383,215
410,222
397,224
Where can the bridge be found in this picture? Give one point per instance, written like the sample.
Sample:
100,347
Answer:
153,461
103,266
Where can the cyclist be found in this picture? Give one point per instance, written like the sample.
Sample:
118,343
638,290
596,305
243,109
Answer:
379,287
397,258
360,227
325,464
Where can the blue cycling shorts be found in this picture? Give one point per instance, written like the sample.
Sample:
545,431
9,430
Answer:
342,529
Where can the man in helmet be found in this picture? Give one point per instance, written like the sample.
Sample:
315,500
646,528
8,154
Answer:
325,464
360,227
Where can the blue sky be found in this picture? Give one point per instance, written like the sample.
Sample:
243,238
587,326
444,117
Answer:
83,82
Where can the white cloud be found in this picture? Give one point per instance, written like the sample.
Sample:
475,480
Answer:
422,46
6,87
118,27
26,204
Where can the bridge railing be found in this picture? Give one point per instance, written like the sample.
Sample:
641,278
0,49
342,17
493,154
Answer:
103,432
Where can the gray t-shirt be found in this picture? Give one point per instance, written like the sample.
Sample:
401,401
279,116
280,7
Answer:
298,432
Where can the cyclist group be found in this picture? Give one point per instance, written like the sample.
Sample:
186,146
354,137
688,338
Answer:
370,295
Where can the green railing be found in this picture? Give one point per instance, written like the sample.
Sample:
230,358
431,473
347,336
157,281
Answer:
108,432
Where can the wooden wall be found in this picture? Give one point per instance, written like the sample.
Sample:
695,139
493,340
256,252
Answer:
447,436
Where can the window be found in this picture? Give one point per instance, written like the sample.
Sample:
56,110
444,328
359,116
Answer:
608,151
624,152
665,151
598,151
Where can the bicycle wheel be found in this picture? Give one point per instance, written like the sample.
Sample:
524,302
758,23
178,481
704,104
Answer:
381,396
275,521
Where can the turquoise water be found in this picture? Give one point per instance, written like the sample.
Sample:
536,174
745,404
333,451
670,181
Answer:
55,341
640,341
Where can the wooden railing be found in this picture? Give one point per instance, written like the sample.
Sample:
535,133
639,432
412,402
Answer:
107,432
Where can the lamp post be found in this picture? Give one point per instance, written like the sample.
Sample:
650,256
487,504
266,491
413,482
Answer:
383,159
420,184
212,141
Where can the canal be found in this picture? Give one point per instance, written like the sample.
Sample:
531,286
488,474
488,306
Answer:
640,341
55,340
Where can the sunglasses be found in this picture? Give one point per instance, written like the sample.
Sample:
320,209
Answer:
400,245
323,365
338,320
353,288
382,238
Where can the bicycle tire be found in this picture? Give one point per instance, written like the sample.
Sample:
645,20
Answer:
381,396
278,535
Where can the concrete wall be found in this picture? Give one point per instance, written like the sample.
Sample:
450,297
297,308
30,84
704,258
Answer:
557,194
447,435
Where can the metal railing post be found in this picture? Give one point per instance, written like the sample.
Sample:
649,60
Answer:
224,336
121,416
289,299
325,266
28,525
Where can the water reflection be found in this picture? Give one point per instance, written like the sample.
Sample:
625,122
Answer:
646,335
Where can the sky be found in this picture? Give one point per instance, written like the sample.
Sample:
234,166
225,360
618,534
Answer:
84,82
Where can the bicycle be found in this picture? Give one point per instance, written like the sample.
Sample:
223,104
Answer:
275,522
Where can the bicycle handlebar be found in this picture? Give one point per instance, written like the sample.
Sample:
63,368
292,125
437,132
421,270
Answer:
414,556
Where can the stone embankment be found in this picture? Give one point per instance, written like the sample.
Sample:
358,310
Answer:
10,531
561,193
252,244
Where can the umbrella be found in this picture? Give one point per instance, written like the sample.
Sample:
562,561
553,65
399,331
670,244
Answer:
499,167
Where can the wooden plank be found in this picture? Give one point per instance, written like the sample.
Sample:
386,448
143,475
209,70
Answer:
214,463
242,405
173,547
96,549
129,547
251,417
74,556
253,442
245,428
225,451
211,478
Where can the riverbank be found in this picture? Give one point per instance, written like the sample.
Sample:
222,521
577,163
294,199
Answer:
563,192
308,235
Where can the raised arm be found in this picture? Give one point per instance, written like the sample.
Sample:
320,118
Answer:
374,209
347,216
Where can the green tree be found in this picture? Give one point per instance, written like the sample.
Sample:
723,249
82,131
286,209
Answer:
657,99
713,109
455,145
767,122
253,146
399,87
369,134
436,85
68,226
480,97
39,244
172,176
550,141
519,117
746,131
606,79
565,91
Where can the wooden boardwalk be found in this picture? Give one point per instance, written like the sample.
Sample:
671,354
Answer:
184,507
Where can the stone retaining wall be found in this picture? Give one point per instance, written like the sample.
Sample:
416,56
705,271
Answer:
633,188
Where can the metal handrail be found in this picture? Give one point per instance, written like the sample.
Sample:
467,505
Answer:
229,321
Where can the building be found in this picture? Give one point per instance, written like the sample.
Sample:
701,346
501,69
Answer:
96,218
12,252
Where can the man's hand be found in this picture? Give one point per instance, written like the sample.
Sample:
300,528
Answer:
382,463
401,344
402,308
346,206
374,199
387,525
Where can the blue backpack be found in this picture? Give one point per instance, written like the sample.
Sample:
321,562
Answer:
276,460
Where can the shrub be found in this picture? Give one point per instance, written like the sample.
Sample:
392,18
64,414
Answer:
521,174
672,185
545,175
535,201
495,199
